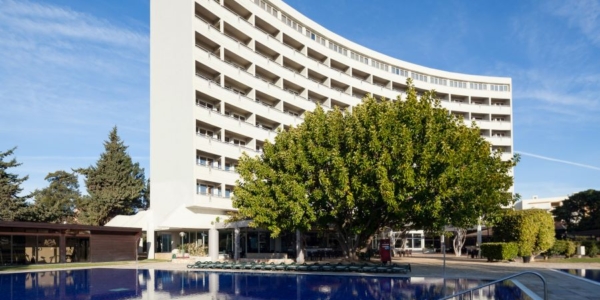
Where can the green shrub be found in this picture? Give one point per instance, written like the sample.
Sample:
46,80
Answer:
499,251
562,247
559,248
591,249
531,229
571,249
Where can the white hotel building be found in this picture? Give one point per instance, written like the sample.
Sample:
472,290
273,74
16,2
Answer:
226,74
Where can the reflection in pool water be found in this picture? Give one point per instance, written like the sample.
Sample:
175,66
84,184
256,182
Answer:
585,273
157,284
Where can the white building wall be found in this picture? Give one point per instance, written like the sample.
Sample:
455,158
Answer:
214,68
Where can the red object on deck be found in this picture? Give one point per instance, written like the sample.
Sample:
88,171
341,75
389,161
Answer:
384,250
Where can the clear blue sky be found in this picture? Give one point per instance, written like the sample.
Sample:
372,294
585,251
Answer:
71,70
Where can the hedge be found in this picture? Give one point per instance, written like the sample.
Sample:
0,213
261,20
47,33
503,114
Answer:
531,229
562,247
591,248
499,251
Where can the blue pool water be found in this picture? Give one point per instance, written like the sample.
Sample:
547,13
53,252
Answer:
585,273
157,284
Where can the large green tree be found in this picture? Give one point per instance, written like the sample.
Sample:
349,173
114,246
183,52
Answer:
386,163
55,203
581,211
12,205
115,184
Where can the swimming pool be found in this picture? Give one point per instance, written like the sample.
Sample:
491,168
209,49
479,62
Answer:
158,284
593,275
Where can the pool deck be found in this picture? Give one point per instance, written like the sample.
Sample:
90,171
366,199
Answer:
560,285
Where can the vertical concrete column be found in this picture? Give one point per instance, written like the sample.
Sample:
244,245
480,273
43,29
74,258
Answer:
327,102
370,78
62,247
150,234
299,248
213,245
236,243
327,62
252,94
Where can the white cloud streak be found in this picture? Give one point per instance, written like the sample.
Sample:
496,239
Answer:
558,160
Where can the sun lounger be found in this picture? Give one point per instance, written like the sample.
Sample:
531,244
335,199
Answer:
291,267
302,267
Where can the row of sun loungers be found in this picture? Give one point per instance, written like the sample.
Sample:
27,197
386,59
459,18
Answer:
327,267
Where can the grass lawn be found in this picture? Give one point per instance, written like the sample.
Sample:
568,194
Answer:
574,260
74,265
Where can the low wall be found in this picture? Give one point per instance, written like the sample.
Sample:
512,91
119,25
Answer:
266,255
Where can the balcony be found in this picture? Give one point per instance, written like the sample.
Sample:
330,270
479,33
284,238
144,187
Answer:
212,202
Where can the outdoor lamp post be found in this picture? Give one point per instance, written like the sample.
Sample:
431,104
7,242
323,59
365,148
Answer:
182,234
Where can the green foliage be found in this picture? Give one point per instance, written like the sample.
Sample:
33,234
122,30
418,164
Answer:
55,203
562,247
145,205
532,230
581,211
386,163
499,251
115,185
591,248
12,206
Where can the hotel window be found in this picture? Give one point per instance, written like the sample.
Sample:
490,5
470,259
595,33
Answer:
291,23
203,189
438,81
458,84
235,141
229,167
315,37
499,87
379,65
208,133
478,86
419,77
399,71
359,57
268,8
228,193
337,48
205,105
235,116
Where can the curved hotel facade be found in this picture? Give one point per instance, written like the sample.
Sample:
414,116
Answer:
226,74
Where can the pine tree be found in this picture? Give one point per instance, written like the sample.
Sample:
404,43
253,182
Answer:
12,206
55,203
115,185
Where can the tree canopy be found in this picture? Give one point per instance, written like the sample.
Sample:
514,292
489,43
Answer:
385,163
12,206
581,211
55,203
114,185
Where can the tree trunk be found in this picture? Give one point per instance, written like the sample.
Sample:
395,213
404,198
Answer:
459,241
348,246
